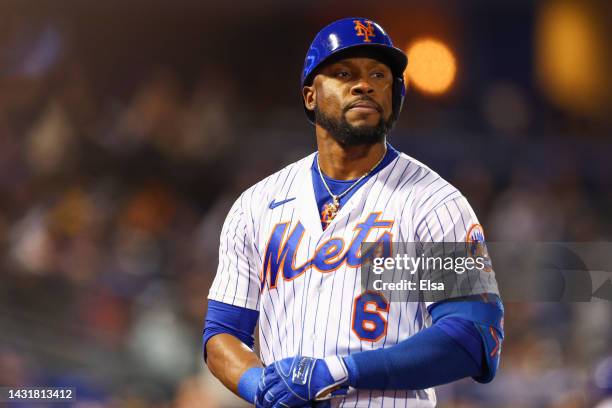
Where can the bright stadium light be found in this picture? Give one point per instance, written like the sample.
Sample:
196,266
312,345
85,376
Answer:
431,66
570,56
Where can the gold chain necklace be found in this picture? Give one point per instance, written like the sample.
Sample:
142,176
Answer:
331,209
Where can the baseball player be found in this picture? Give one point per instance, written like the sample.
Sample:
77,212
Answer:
290,253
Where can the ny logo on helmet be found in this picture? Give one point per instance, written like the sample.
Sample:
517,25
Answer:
365,31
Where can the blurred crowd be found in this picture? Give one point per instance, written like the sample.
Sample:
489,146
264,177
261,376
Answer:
111,207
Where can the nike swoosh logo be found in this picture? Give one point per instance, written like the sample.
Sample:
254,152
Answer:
274,203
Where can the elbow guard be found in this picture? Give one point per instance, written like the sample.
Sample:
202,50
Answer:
486,314
492,338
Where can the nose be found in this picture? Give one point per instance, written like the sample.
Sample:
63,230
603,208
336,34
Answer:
362,87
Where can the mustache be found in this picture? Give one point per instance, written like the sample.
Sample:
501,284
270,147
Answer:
363,99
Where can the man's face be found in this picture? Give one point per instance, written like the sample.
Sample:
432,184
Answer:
352,99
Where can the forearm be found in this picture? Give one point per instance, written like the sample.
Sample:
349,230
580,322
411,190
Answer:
229,359
464,341
228,347
427,359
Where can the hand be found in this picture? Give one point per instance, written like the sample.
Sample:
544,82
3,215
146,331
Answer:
297,381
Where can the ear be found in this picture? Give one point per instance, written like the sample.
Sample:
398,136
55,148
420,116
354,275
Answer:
310,97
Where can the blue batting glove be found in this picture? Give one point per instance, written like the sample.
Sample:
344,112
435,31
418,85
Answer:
265,383
294,382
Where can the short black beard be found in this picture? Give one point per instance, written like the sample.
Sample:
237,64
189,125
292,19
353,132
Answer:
349,135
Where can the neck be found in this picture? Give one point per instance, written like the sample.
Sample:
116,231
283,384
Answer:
346,162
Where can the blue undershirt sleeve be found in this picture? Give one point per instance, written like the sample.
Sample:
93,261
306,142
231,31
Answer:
451,349
225,318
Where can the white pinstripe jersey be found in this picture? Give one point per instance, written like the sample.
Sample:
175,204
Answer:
310,301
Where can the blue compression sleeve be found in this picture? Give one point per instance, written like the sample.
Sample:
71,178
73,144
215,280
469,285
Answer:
451,349
224,318
428,358
465,333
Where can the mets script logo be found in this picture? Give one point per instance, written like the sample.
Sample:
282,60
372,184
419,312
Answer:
329,255
364,30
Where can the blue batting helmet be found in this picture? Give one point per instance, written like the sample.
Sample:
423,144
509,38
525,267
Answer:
349,34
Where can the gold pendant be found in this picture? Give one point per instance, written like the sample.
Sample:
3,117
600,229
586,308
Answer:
329,212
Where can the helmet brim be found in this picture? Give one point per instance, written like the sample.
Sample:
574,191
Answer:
393,57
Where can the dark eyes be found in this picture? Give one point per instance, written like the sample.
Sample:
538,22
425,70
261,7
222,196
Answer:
346,74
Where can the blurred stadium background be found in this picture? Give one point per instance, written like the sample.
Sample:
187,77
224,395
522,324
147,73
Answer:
128,128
